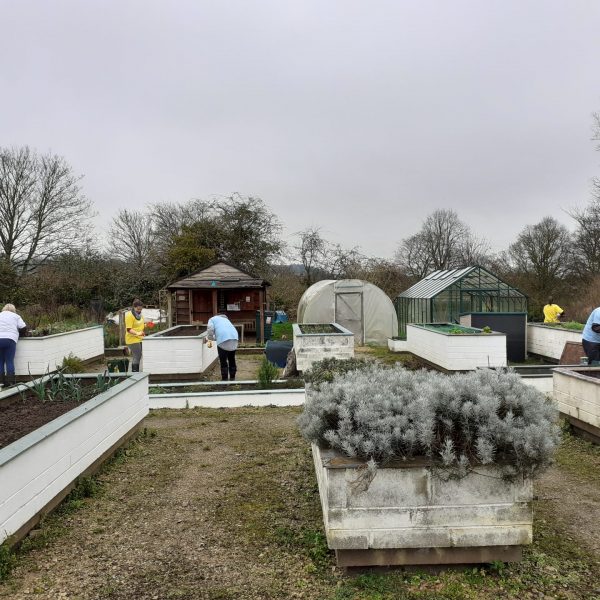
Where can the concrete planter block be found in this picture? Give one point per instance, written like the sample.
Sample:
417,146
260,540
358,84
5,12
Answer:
398,345
465,352
40,355
38,470
550,341
312,347
177,355
577,395
409,516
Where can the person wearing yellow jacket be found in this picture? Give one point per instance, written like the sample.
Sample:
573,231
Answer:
134,333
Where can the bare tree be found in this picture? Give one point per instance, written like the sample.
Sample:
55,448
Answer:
543,253
312,251
444,242
42,208
132,239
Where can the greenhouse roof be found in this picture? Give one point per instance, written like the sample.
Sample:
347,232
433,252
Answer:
438,281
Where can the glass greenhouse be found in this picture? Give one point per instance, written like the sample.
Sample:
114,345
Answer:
443,296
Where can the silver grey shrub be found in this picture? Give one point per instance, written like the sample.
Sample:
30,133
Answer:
458,422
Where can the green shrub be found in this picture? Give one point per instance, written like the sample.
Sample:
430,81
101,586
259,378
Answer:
68,312
72,364
327,369
266,373
111,335
7,561
457,422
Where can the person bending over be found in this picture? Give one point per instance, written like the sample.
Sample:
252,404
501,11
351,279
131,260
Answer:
222,330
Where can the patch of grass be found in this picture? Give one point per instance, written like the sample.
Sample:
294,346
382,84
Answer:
387,357
579,457
7,561
282,331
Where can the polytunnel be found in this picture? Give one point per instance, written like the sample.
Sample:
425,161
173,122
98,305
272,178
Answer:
357,305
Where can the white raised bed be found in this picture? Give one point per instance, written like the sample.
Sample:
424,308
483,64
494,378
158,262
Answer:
177,355
227,398
577,395
464,352
409,516
40,355
37,470
397,345
312,347
550,341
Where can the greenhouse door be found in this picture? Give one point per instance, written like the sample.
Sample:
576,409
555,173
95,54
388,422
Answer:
349,313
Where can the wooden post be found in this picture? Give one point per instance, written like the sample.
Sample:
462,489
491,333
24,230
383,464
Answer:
122,327
262,317
215,302
191,308
169,309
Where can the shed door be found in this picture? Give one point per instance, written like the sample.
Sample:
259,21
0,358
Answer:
349,313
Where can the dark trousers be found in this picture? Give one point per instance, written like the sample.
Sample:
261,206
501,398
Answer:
592,351
228,366
7,356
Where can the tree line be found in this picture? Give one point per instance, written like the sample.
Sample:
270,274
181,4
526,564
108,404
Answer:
50,256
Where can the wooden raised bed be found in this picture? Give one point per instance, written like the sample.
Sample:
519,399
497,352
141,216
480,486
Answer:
39,469
40,355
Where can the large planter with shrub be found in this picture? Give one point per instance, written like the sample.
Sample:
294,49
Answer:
316,341
43,354
421,468
40,468
179,351
549,340
456,347
577,396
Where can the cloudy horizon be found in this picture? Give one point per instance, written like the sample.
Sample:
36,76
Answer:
357,117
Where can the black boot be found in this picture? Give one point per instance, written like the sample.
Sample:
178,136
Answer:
2,380
135,368
11,380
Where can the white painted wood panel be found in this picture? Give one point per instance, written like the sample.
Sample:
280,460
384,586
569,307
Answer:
577,394
37,467
229,399
37,356
549,341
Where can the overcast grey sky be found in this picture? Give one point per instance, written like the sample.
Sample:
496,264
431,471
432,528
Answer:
360,117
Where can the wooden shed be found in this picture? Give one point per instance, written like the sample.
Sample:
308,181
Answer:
219,288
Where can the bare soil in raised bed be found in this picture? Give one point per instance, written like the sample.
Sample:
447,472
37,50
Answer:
18,416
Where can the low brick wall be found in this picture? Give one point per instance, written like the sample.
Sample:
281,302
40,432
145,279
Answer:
312,347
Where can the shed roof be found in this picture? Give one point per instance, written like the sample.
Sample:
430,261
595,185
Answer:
219,275
438,281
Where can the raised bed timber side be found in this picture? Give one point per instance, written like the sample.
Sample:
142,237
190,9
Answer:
408,516
549,342
312,347
40,355
577,395
39,469
185,356
229,399
465,352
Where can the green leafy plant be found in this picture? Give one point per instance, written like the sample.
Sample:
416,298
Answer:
486,329
267,372
104,382
71,364
7,561
456,331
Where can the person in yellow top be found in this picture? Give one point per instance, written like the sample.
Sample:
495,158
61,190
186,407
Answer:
552,312
134,333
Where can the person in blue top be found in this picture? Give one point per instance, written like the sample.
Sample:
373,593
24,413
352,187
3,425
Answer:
591,337
222,330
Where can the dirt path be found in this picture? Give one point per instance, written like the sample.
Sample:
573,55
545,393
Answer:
222,505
